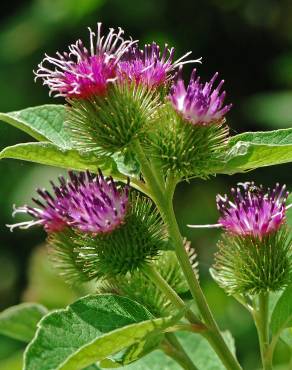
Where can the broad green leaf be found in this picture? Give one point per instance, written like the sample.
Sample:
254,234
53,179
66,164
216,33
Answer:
127,164
258,149
90,330
282,314
44,123
197,348
134,352
20,322
8,346
92,367
52,155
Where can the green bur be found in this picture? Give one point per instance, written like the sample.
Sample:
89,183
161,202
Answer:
250,265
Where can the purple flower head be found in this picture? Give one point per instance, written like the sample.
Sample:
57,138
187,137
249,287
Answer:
86,202
199,103
150,66
253,210
81,73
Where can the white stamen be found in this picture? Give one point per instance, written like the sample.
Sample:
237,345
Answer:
210,226
24,225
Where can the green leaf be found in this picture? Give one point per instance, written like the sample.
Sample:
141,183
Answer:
90,330
52,155
8,346
19,322
197,348
134,352
44,123
258,149
282,314
127,163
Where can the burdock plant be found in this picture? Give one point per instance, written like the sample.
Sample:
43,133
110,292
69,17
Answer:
129,132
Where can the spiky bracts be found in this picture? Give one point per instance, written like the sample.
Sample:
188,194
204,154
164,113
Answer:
199,103
125,249
81,72
110,124
185,150
150,66
86,202
249,265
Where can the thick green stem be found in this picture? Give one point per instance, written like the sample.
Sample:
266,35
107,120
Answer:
171,294
213,335
163,201
261,317
174,349
148,172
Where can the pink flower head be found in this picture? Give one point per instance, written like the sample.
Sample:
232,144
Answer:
149,66
81,73
253,210
199,103
86,202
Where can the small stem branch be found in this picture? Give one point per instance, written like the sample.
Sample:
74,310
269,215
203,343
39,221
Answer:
171,294
261,317
174,349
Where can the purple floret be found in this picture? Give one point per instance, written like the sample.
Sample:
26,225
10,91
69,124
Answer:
150,66
199,103
81,73
86,202
253,210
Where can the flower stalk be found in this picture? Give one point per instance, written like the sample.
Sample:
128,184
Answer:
171,294
261,318
172,348
165,207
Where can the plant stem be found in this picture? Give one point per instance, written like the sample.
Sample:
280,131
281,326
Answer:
163,201
171,294
261,317
213,335
174,349
148,172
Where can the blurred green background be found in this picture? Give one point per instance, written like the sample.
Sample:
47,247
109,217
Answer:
249,42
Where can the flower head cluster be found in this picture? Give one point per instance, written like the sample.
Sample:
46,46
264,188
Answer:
82,72
253,210
199,103
150,66
86,202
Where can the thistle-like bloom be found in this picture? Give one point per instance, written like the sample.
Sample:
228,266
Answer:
253,210
81,73
199,103
86,202
150,66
